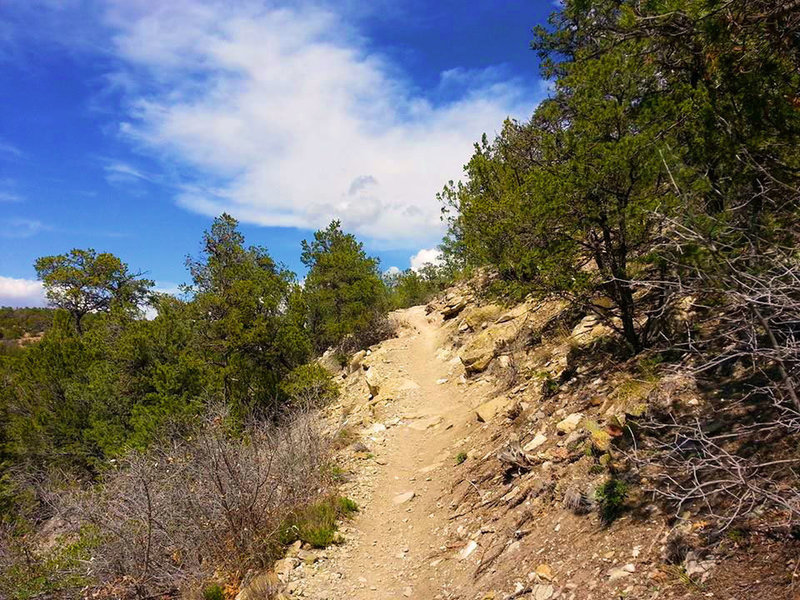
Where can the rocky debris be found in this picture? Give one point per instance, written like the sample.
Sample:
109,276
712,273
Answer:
620,572
404,497
489,410
697,569
570,424
537,441
453,306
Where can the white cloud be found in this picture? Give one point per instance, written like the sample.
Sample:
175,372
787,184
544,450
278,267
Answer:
20,228
426,256
392,271
21,292
286,118
120,172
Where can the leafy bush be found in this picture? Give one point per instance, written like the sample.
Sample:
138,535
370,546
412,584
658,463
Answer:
611,498
316,524
213,592
310,386
377,329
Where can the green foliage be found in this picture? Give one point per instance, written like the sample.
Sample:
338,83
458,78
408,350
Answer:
16,323
461,457
317,524
84,282
251,314
60,570
213,591
343,291
412,288
643,162
310,386
611,498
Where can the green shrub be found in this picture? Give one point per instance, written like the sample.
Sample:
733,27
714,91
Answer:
317,523
58,571
213,592
461,457
310,386
611,498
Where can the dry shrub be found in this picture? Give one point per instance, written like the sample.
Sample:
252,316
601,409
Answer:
173,516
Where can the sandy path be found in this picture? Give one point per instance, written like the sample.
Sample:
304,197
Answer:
393,547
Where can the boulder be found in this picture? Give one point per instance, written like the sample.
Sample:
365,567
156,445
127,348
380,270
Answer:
570,424
489,410
258,587
475,317
357,360
453,307
479,352
588,330
373,384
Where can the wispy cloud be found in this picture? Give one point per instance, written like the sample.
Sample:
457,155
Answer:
9,197
284,117
120,173
21,292
10,149
16,228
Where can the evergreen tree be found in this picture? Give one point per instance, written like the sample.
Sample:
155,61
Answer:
343,289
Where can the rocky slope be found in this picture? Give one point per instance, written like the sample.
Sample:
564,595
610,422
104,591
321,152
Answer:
476,442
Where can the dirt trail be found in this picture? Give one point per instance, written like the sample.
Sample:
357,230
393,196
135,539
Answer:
393,548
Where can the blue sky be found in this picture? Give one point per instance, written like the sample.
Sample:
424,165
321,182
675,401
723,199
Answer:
128,124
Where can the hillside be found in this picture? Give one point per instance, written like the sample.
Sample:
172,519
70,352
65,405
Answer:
475,447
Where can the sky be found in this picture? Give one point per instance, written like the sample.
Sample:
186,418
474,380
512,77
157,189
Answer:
127,125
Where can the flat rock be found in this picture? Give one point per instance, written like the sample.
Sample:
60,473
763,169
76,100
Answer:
467,550
570,424
404,497
535,443
542,592
489,410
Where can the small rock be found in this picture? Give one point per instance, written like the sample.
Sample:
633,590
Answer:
403,498
570,424
545,572
407,591
535,443
542,592
619,573
468,549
